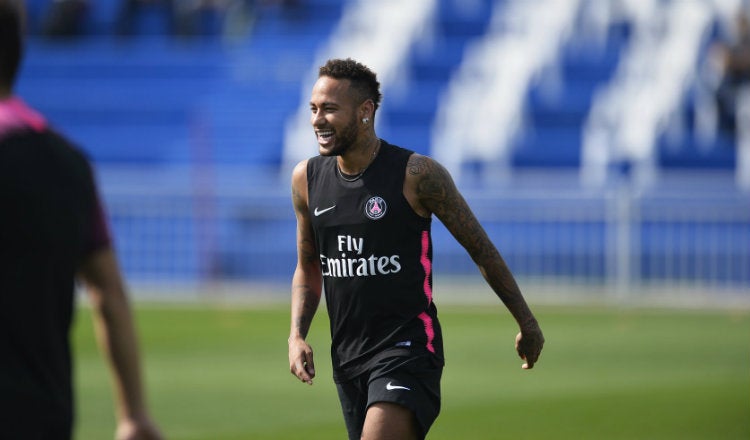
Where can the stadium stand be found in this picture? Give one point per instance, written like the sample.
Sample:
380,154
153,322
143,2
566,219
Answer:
530,104
645,96
410,111
522,41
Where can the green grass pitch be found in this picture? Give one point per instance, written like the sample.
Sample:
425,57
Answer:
606,373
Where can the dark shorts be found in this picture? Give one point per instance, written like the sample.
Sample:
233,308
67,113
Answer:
411,382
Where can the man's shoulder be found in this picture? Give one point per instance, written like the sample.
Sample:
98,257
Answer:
45,142
317,165
394,149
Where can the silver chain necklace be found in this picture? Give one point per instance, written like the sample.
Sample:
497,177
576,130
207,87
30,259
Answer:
356,177
353,178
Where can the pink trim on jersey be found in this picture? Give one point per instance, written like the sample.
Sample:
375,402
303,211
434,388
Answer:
16,115
427,265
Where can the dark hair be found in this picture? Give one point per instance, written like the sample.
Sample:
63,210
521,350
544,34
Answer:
363,80
11,40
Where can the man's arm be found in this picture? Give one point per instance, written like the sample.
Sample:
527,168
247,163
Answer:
306,283
430,189
117,339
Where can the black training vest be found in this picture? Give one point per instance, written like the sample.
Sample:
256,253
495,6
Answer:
376,259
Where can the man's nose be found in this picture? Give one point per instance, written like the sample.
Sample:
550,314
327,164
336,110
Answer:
316,118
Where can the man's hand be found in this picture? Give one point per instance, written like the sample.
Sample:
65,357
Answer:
137,429
529,343
301,362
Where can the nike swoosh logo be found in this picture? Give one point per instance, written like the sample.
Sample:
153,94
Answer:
322,211
390,387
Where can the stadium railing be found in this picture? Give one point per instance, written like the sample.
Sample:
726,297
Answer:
690,237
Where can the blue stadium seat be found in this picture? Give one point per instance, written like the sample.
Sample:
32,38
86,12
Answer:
692,153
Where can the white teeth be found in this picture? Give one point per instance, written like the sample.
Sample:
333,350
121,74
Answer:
326,133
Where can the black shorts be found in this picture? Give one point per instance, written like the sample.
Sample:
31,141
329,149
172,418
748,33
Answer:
410,382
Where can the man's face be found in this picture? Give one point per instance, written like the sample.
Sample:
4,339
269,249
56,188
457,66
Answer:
333,114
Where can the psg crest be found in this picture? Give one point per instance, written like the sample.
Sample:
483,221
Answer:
375,208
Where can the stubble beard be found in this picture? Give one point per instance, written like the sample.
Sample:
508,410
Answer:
344,140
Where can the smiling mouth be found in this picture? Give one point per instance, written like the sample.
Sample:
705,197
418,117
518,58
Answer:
324,135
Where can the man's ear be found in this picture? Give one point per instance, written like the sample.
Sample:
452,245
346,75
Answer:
367,109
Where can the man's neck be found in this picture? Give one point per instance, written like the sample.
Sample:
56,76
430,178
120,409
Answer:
360,157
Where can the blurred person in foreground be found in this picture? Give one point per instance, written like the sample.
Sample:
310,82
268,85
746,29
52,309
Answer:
364,209
52,233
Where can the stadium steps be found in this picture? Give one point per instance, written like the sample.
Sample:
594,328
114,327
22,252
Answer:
552,132
688,149
408,115
153,99
123,103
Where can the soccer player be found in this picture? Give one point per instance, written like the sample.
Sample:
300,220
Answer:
52,233
363,209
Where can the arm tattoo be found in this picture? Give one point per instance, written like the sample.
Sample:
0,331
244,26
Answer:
416,165
437,192
297,200
305,244
306,249
308,302
306,281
